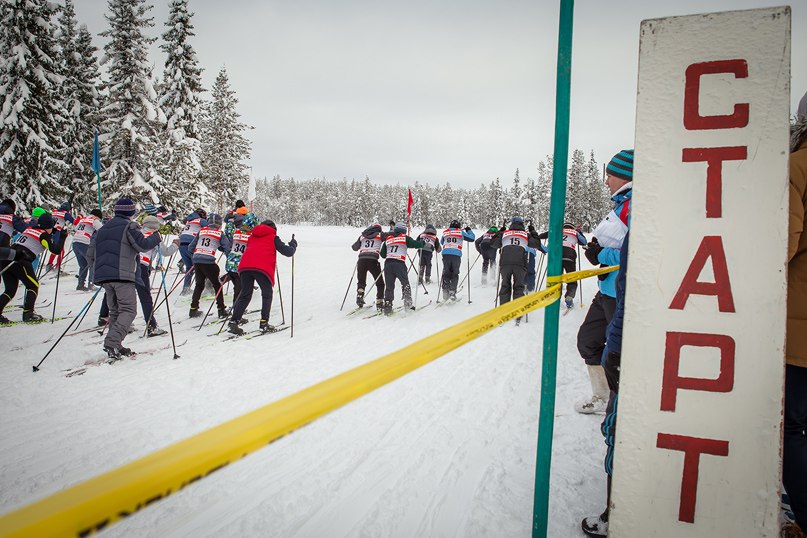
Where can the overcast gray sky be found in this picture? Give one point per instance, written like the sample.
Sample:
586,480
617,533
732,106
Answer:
425,90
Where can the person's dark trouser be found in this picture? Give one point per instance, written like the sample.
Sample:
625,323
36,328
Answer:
80,250
20,272
591,335
794,464
570,267
104,313
248,280
207,272
489,260
425,264
513,277
451,274
529,282
122,302
236,280
396,270
365,265
143,287
187,260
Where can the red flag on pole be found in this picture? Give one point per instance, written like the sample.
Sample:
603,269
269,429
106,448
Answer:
409,210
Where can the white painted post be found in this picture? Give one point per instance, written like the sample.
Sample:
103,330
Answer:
700,406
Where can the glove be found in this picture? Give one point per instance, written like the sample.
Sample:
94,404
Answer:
467,228
19,256
612,367
593,251
531,228
293,242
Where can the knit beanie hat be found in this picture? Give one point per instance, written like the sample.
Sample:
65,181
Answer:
621,165
150,209
242,210
66,206
399,228
10,205
45,221
96,213
151,223
517,220
125,208
214,219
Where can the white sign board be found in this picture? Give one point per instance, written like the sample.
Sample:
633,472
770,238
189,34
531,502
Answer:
700,405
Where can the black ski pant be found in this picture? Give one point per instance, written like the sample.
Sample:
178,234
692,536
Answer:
488,260
451,274
396,270
143,287
425,264
570,266
248,280
235,278
207,272
591,335
20,272
794,461
365,265
512,282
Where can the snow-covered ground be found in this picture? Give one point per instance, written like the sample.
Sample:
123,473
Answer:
448,450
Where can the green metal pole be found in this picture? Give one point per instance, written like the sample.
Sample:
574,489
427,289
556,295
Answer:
540,516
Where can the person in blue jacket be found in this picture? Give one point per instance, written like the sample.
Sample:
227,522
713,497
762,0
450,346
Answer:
452,256
194,222
611,359
603,250
204,246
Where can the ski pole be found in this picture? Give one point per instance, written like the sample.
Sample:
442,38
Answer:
215,298
92,300
56,293
468,273
177,282
498,285
412,266
280,293
348,285
469,270
164,271
168,309
375,281
439,276
292,294
85,307
7,267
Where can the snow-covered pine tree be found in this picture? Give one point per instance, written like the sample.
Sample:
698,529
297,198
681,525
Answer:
81,102
32,112
180,162
576,190
543,187
133,119
224,145
514,197
599,199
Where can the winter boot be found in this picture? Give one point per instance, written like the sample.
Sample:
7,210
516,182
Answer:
102,321
360,298
155,331
596,526
379,304
234,328
32,317
265,327
569,301
599,392
223,313
194,313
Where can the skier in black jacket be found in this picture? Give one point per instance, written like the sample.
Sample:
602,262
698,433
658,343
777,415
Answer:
368,245
513,243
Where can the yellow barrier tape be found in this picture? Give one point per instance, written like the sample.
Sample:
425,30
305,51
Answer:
580,275
97,503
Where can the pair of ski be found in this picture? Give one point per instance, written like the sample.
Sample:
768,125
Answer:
70,372
398,309
41,304
254,334
40,322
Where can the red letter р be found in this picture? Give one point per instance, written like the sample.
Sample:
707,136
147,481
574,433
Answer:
692,447
672,382
693,121
711,247
714,158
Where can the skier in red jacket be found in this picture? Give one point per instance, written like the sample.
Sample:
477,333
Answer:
258,265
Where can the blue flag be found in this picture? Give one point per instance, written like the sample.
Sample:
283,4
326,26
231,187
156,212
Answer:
96,155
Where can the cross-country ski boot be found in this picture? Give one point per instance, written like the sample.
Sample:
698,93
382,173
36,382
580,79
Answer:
379,304
569,301
32,317
4,320
360,298
194,313
223,313
233,327
265,327
387,308
155,331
